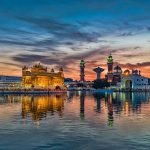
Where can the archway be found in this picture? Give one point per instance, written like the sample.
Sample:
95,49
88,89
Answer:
128,84
58,87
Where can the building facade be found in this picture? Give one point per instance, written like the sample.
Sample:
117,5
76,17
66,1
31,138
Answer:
38,77
129,79
134,80
10,81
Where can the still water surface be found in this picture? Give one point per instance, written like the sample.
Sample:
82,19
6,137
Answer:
76,121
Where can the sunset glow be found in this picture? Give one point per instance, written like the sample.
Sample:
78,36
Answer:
55,34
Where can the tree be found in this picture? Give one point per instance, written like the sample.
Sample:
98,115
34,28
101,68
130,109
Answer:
98,84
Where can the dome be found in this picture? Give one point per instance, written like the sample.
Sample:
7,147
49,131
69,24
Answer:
61,69
82,62
110,59
135,71
117,69
24,67
52,70
127,72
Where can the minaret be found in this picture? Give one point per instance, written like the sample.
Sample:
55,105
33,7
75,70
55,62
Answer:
82,66
110,68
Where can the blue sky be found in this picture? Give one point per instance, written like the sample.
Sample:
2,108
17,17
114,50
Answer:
61,32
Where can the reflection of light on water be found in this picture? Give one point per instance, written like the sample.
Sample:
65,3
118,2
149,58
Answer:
96,118
107,107
126,108
37,107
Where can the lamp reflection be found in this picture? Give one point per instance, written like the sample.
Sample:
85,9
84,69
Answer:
82,99
110,111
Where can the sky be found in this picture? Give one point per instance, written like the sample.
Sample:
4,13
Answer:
61,32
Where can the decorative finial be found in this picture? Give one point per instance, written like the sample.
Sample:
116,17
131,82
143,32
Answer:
61,69
110,53
52,70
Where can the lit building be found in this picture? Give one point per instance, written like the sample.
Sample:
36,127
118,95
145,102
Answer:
10,81
127,79
38,77
134,80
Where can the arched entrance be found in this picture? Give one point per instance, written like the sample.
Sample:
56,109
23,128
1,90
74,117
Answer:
128,84
58,87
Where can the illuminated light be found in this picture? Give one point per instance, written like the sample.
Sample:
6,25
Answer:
37,106
110,59
126,72
82,62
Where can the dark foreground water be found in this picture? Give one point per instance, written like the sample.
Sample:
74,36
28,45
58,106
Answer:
75,121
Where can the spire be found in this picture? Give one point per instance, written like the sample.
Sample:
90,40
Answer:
52,70
110,53
61,69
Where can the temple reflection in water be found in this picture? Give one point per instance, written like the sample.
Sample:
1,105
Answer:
81,104
37,107
121,103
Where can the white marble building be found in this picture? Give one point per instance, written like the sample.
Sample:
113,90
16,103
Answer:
134,80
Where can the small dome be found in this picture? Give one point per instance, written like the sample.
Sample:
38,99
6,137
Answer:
110,59
109,56
24,67
117,68
61,69
82,62
52,70
127,72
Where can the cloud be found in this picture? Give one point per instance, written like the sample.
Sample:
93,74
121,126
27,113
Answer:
136,65
88,29
27,58
60,29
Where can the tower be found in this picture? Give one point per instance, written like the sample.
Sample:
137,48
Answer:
61,71
110,68
82,66
98,71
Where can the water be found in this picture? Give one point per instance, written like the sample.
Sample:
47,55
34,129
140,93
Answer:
76,121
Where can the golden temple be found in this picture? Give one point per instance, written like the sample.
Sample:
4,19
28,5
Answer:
38,77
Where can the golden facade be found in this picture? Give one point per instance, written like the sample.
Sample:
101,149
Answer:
39,77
